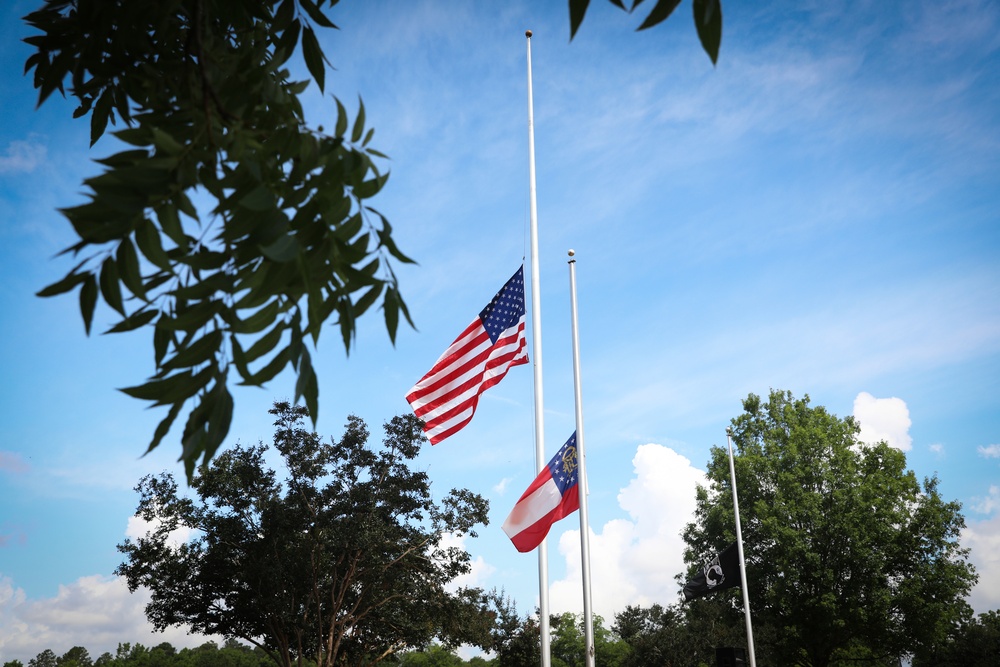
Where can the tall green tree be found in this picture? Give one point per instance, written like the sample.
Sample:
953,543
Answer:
848,555
338,561
230,228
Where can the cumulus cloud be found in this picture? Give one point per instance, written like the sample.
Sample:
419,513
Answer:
983,538
637,557
481,570
138,527
990,451
96,612
883,419
990,503
22,157
938,449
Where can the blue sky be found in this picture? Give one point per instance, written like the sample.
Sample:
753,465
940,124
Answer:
818,213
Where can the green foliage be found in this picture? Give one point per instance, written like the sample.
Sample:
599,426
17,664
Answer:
569,642
707,19
209,654
339,561
974,643
677,635
44,659
848,556
226,226
516,640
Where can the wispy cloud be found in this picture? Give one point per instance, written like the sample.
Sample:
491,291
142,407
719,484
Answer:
989,451
21,157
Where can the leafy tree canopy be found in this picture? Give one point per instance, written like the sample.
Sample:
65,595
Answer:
229,227
339,561
848,556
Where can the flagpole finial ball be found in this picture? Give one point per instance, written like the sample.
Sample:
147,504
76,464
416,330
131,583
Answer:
572,252
527,33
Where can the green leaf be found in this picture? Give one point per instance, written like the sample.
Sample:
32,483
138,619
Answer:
577,10
359,122
70,281
259,320
219,419
367,299
190,319
660,13
128,263
134,321
177,387
285,249
110,289
390,306
88,301
162,337
100,114
341,120
147,237
258,199
708,21
197,353
164,426
170,222
316,14
306,385
314,57
272,368
265,343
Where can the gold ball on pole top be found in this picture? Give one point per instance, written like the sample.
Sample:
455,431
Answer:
527,33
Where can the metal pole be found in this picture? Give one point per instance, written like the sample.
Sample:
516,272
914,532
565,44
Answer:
536,342
739,549
581,480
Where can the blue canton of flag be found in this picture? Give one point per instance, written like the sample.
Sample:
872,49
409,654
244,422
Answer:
506,308
564,465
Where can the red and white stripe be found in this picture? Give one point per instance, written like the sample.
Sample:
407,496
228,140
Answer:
446,397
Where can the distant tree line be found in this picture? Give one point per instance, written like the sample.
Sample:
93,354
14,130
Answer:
655,636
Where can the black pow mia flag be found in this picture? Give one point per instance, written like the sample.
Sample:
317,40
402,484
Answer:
718,574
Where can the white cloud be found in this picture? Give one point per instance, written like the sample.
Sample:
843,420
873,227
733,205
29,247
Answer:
481,570
883,419
96,612
990,451
501,486
635,559
138,527
983,538
21,156
990,503
938,449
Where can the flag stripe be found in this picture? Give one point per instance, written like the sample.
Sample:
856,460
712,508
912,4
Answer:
447,396
553,495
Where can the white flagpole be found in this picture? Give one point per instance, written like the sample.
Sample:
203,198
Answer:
581,480
536,342
739,549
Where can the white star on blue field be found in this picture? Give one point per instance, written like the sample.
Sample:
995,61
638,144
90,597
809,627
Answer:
820,213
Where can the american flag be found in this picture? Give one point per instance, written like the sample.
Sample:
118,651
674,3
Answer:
446,397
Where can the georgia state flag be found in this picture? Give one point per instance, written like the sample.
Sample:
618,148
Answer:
552,496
